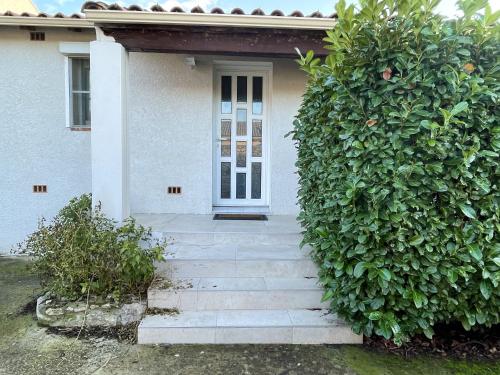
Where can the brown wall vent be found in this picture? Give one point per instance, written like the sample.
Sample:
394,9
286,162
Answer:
174,190
39,188
37,35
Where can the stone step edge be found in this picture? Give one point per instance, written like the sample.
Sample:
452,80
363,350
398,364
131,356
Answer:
336,321
247,326
169,260
192,290
259,233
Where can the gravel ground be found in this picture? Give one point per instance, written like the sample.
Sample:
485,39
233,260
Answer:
26,348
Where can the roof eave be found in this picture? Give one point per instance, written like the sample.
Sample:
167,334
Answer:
206,19
45,22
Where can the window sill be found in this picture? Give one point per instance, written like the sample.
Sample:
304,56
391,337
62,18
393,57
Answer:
80,129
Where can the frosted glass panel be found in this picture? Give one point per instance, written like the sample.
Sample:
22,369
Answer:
257,138
225,136
226,94
241,185
241,154
256,180
241,89
225,180
241,122
257,96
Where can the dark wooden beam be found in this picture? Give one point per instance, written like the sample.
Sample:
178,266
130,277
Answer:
217,40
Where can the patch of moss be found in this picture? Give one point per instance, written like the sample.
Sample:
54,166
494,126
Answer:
18,287
161,311
365,362
19,266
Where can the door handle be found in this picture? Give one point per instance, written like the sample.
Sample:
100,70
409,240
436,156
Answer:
223,139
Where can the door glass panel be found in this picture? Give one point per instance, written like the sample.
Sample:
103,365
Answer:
241,154
256,180
241,122
225,180
225,138
226,94
241,89
257,96
257,138
241,185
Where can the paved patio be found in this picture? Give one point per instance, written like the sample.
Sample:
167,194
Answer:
205,224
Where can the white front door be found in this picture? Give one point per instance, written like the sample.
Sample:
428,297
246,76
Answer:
240,138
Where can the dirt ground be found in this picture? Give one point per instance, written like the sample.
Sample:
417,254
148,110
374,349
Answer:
26,348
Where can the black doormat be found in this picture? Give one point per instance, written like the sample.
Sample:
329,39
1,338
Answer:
256,217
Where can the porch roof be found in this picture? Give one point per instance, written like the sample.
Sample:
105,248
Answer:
100,12
214,33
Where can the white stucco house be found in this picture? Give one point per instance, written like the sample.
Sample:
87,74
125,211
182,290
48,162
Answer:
172,116
151,111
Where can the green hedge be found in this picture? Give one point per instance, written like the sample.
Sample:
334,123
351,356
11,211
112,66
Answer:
398,141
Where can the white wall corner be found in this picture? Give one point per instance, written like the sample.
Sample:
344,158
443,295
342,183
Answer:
108,80
101,37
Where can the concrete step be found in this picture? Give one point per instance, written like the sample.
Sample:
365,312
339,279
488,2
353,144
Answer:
259,293
232,260
241,238
237,268
246,327
236,251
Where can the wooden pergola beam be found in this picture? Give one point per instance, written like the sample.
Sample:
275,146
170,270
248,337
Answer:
217,40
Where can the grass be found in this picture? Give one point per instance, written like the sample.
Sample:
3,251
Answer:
366,362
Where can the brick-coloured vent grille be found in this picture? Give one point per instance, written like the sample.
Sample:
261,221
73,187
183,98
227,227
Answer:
39,188
37,36
176,190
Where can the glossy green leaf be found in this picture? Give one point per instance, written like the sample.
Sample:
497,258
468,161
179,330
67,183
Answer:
468,211
359,269
485,288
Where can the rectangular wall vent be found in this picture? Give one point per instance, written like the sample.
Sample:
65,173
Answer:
174,190
39,188
37,35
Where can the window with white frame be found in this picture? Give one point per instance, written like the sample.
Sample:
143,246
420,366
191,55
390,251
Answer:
79,92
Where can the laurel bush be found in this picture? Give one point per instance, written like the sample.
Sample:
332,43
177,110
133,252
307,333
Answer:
398,142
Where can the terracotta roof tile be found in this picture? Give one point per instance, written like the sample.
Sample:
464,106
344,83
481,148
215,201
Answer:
115,7
157,8
134,8
99,5
177,10
217,11
197,9
258,12
316,15
277,13
237,11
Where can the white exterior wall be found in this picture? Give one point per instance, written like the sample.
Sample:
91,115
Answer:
288,87
170,133
35,145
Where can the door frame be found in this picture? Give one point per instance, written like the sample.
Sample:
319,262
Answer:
246,67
